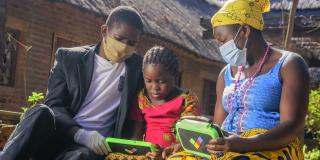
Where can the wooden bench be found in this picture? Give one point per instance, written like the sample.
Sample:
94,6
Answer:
8,121
9,117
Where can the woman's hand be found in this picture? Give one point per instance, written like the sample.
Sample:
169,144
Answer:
171,150
155,155
233,143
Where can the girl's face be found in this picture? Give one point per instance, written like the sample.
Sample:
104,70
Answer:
158,81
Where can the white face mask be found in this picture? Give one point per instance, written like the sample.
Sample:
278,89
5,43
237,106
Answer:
232,54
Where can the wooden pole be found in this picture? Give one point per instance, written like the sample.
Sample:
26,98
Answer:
2,27
3,14
291,24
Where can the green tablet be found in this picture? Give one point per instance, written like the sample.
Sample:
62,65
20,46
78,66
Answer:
194,133
130,147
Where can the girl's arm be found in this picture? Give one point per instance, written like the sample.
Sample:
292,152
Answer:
138,130
293,109
138,122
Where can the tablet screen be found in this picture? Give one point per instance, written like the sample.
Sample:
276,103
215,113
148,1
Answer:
130,149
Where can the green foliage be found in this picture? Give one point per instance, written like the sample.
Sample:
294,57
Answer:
314,154
35,98
313,117
24,109
313,124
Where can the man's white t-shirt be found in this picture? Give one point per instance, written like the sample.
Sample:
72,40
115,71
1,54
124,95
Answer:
98,111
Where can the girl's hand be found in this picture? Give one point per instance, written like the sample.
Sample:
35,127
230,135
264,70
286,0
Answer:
171,150
233,143
155,155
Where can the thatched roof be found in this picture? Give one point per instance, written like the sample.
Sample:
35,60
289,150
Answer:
173,20
273,19
302,4
282,4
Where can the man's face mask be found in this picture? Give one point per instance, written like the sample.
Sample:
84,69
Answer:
115,50
233,55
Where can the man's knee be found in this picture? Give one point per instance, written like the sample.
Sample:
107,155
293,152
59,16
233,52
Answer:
34,131
40,117
41,112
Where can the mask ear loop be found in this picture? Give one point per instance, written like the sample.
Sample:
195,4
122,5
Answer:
245,44
237,33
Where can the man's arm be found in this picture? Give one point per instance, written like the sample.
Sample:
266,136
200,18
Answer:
58,99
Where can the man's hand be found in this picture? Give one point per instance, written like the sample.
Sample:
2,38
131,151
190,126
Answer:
93,140
171,150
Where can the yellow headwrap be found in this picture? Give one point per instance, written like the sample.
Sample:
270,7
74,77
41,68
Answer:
242,12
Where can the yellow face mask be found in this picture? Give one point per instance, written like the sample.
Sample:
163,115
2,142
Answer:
115,50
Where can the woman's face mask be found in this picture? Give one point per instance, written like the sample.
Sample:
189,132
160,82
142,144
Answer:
115,50
232,54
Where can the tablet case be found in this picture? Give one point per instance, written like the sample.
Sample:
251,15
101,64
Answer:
194,133
130,147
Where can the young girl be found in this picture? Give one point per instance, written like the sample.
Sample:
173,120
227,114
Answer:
161,103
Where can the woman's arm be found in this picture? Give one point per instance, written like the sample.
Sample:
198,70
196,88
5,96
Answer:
219,113
293,109
293,106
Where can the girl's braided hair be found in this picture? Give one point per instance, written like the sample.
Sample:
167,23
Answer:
164,57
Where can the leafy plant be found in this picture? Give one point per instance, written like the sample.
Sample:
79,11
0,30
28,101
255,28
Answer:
313,117
24,109
314,154
313,125
35,98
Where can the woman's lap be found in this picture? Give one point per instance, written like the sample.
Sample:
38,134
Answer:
293,151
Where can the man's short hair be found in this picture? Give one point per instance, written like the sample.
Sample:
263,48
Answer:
125,14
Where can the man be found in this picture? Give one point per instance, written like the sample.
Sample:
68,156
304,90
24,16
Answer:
89,91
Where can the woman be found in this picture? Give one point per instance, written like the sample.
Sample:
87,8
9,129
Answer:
262,94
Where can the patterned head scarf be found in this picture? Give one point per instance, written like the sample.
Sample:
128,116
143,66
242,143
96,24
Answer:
242,12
